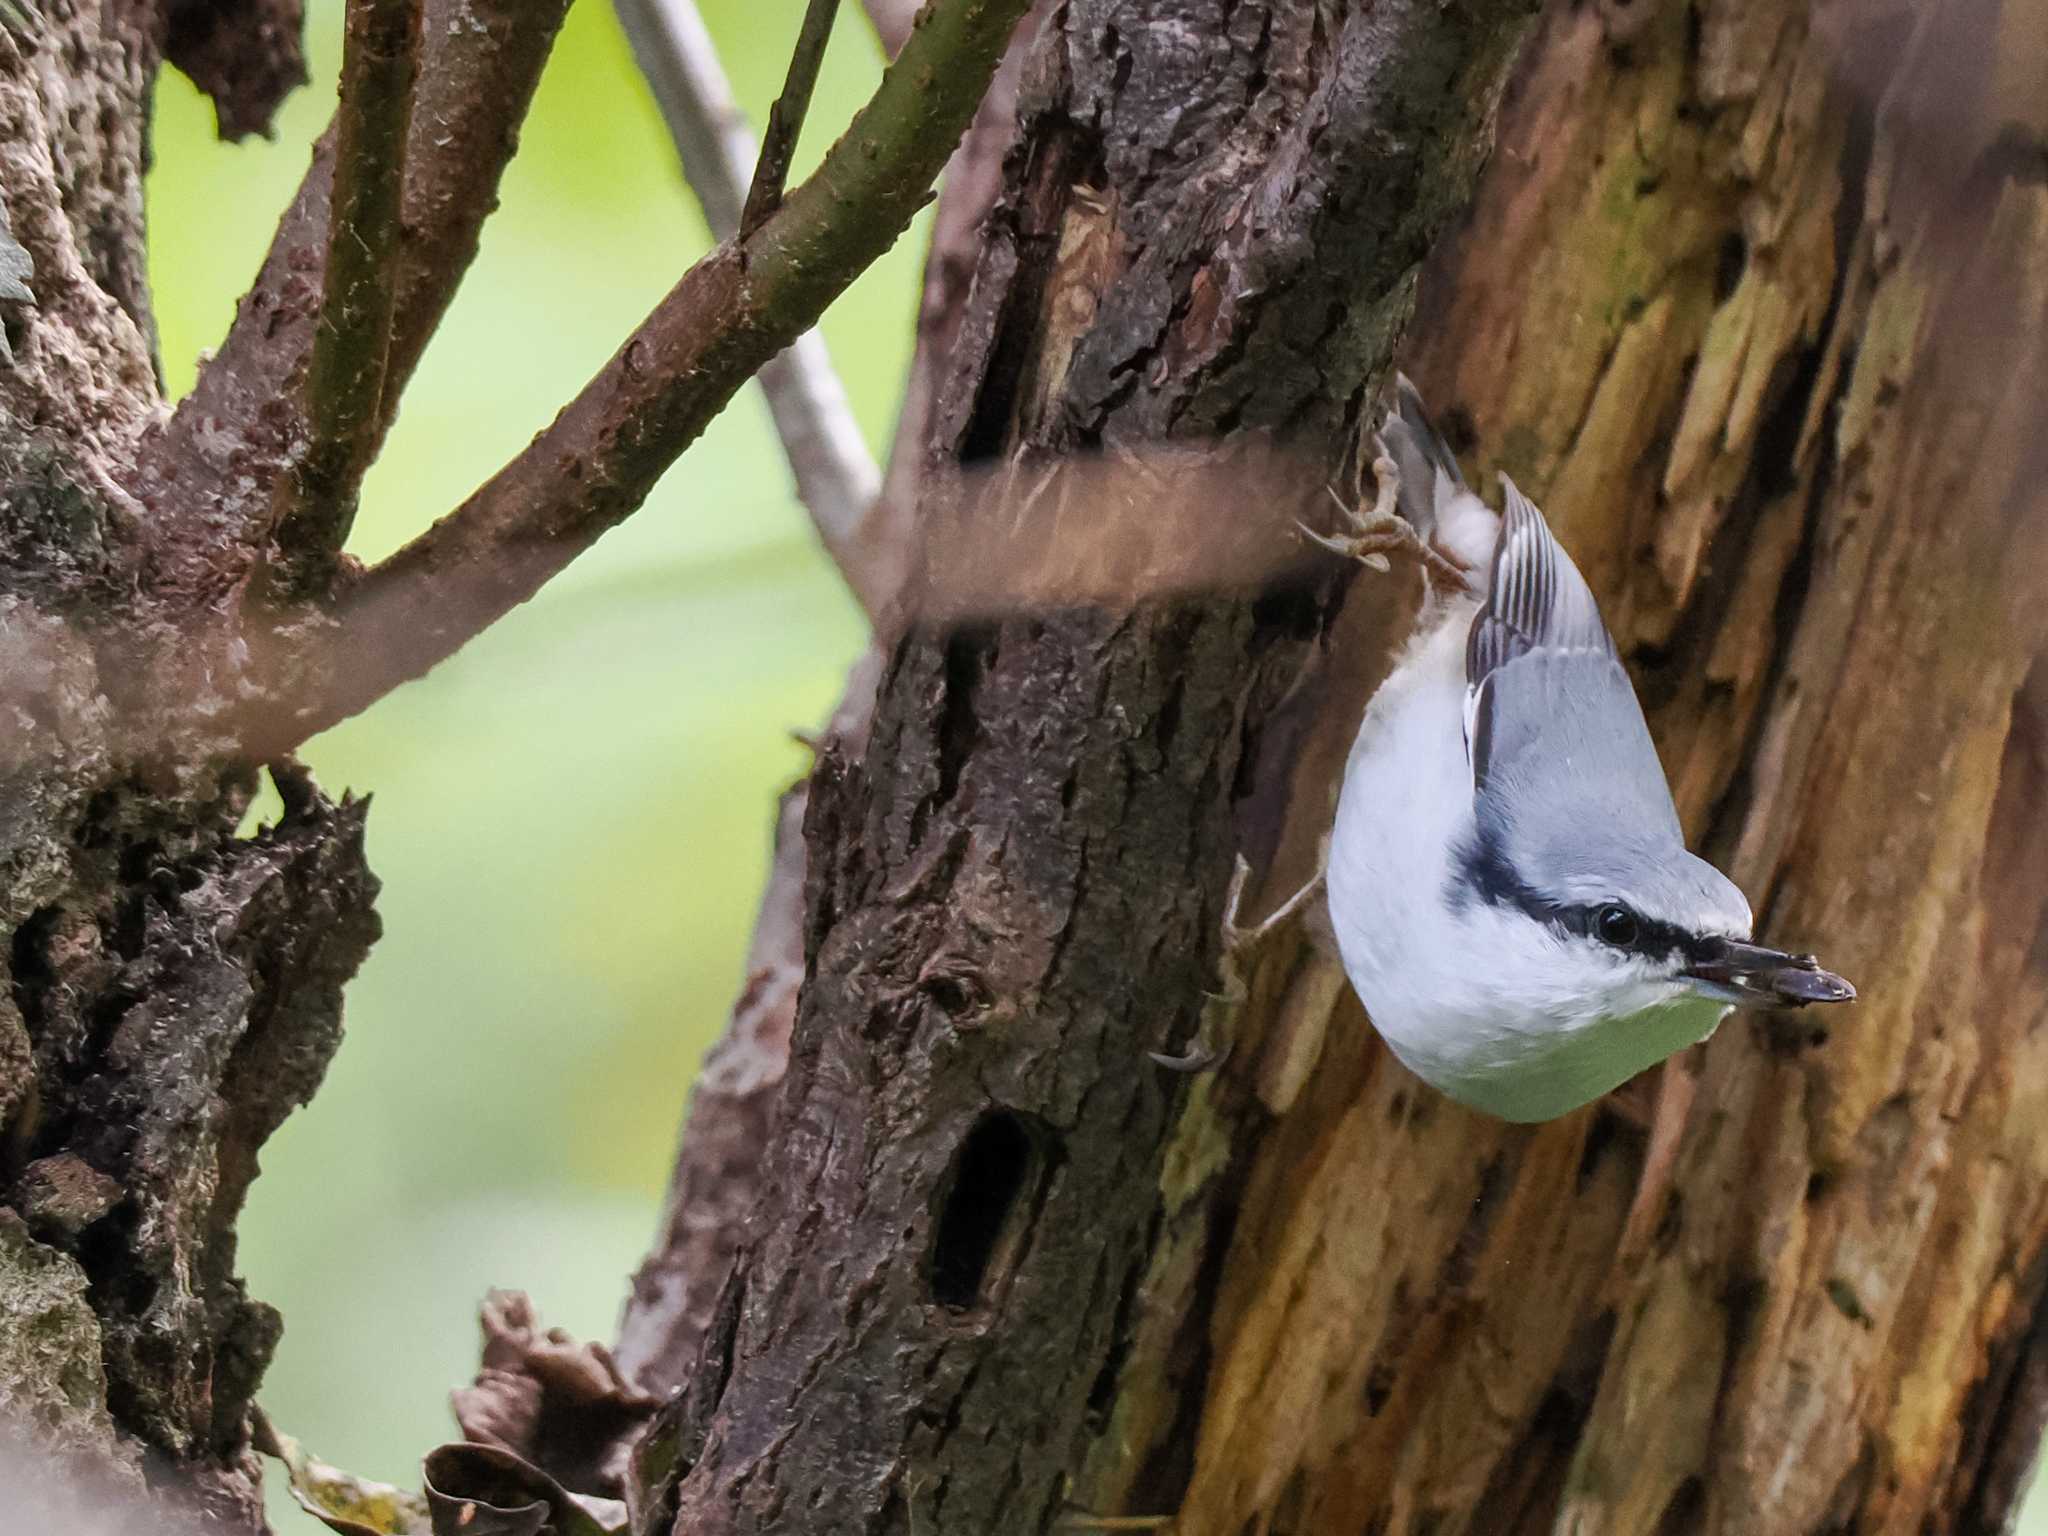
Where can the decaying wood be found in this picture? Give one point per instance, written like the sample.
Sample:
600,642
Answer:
1755,302
1757,309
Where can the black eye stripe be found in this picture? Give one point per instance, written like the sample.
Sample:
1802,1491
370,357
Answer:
1651,937
1483,867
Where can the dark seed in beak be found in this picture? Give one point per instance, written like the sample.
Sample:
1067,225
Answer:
1769,978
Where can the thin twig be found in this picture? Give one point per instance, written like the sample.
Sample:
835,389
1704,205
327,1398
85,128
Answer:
836,477
595,463
674,51
786,117
352,336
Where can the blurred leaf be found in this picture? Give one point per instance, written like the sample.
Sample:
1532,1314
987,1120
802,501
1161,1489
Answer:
352,1505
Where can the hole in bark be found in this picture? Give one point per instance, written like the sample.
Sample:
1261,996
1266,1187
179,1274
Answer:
1687,1510
29,963
1729,264
984,1210
969,653
1379,1386
113,1269
948,993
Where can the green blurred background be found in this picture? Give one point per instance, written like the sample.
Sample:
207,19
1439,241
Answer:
572,817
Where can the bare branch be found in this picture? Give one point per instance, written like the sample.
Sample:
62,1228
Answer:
676,54
209,476
596,462
352,334
836,477
786,117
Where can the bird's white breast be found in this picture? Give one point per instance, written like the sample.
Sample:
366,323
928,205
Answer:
1478,999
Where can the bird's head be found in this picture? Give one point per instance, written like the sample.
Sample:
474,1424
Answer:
1628,923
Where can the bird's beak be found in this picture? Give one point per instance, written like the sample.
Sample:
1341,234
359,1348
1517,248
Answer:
1751,975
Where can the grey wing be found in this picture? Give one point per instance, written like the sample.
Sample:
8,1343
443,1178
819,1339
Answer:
1570,769
1562,761
1536,604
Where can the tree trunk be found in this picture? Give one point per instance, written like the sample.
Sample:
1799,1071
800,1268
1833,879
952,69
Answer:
1756,303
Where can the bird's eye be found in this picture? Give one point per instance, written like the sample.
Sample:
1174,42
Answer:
1616,926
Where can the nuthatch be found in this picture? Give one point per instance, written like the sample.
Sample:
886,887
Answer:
1508,884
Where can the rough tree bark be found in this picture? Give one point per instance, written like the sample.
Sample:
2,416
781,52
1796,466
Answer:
1755,298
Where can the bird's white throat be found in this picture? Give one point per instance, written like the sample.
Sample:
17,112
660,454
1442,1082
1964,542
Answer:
1502,1013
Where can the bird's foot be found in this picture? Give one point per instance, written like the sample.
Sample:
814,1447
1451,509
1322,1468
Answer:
1215,1029
1374,533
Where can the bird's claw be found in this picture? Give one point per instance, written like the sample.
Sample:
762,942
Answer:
1373,534
1199,1059
1205,1051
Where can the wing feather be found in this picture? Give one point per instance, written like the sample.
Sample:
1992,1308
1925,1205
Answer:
1537,603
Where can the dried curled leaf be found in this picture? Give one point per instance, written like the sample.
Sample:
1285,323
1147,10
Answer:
484,1490
353,1505
533,1377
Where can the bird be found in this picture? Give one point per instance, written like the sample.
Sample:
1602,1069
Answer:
1507,880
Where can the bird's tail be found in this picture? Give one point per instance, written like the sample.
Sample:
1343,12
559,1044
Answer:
1430,477
1434,497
